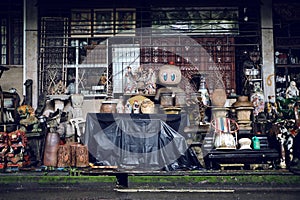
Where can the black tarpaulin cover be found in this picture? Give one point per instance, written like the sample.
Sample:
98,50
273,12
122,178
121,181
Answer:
139,141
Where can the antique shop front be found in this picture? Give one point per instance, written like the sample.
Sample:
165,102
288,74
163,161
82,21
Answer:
152,86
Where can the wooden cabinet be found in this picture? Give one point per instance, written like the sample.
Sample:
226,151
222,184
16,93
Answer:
287,67
8,103
287,57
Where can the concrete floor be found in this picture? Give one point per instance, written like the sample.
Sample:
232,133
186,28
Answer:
211,184
272,194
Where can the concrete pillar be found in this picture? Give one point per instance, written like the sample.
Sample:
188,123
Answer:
31,47
267,37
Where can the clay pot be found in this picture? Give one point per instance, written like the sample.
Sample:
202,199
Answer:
51,148
108,107
218,97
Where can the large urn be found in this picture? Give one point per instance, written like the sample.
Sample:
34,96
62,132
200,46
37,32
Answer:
51,149
218,97
244,110
218,100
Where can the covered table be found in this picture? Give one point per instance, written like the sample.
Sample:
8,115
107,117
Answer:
139,141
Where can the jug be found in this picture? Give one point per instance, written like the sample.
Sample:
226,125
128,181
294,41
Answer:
256,143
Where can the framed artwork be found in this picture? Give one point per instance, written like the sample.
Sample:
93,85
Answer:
125,21
81,23
103,22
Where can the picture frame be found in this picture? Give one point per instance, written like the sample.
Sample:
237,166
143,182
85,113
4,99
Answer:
103,22
81,23
125,21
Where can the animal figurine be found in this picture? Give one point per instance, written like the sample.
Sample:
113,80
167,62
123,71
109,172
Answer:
28,118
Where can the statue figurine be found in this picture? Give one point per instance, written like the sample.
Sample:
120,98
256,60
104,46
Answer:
292,91
169,77
130,83
28,119
271,109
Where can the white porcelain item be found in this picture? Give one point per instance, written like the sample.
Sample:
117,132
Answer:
245,143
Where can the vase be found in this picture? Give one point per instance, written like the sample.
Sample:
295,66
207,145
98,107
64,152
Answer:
51,148
244,110
218,97
77,100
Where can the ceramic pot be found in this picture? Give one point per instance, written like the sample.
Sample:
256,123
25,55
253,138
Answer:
81,156
108,107
245,143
